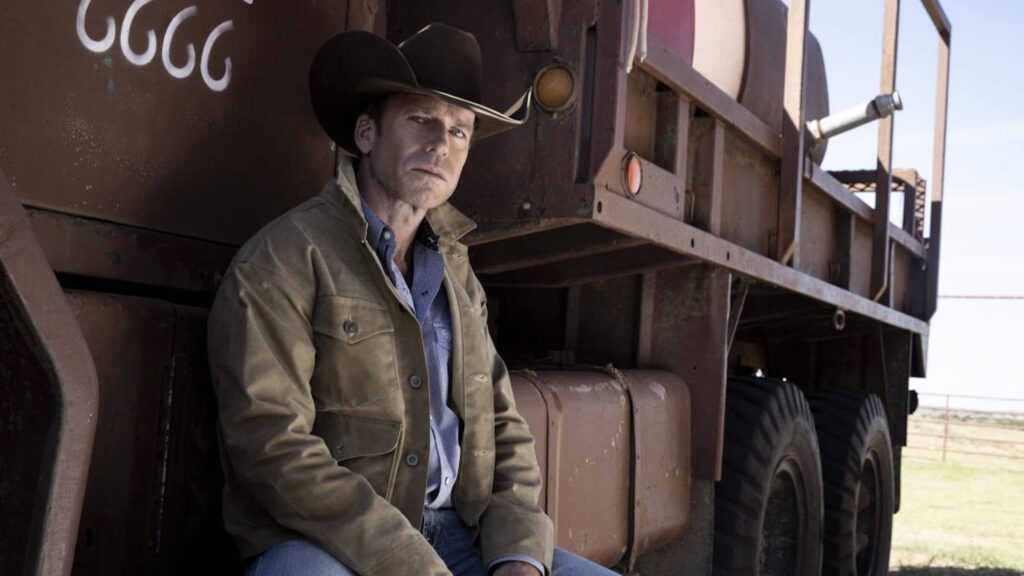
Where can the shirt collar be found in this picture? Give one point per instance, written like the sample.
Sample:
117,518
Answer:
377,232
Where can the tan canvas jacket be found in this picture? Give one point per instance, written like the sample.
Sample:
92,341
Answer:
320,378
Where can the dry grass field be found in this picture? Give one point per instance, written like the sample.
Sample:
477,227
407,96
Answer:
964,516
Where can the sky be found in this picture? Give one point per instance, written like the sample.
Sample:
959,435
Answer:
973,341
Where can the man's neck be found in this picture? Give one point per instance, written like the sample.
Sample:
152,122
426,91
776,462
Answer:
402,218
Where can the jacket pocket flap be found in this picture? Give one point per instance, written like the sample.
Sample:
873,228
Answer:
353,436
350,319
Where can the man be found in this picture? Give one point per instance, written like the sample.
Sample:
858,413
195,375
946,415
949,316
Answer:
367,423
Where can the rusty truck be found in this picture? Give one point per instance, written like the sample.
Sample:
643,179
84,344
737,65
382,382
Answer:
710,335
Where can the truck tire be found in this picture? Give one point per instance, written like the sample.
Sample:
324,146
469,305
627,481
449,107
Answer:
768,504
860,486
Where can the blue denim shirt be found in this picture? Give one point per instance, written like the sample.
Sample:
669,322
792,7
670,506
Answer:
430,304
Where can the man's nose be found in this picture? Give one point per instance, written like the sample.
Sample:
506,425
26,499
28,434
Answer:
438,139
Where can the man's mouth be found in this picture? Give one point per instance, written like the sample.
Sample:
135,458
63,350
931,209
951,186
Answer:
431,172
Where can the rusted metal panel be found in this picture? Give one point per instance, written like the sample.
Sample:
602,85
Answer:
531,405
793,107
98,123
903,284
593,459
189,536
860,273
938,174
48,402
675,73
818,246
709,175
661,461
691,327
880,239
131,340
97,249
630,218
750,199
547,247
640,123
843,262
536,24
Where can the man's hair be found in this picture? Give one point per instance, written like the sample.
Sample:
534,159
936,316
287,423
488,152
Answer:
374,108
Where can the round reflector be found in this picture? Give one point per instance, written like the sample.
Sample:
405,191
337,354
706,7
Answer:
555,88
632,173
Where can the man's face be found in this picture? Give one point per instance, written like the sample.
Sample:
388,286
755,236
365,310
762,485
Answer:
417,153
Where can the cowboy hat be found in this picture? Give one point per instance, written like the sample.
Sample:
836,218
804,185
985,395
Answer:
355,66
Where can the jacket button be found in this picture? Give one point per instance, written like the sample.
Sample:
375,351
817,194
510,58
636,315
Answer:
412,459
350,327
415,381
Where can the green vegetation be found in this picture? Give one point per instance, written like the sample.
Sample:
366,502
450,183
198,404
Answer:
962,517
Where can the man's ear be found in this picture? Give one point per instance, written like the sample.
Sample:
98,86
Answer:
365,133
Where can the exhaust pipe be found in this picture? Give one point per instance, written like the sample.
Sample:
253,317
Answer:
818,131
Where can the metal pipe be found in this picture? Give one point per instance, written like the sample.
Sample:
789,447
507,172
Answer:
824,128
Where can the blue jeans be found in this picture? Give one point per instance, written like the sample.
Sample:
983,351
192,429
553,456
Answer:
442,528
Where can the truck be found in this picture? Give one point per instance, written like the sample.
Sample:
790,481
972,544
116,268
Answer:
711,336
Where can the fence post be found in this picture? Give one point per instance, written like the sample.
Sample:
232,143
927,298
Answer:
945,432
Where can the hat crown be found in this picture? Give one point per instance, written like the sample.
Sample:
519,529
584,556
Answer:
445,59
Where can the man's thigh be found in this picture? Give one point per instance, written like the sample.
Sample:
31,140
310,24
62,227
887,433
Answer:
297,558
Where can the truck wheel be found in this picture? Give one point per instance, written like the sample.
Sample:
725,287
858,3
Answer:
857,468
768,504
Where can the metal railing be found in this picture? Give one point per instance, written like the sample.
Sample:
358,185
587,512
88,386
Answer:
976,430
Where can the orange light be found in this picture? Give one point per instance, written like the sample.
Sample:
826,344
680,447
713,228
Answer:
555,88
632,173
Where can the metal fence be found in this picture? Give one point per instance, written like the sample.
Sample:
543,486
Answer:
972,430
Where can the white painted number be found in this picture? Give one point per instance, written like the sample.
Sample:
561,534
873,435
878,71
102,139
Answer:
97,46
176,71
132,56
221,84
152,42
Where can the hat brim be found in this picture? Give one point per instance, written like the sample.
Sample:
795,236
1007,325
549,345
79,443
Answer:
354,67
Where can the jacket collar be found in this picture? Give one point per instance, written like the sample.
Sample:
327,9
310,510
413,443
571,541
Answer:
343,192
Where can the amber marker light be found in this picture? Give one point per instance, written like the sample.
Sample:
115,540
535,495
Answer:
555,88
632,173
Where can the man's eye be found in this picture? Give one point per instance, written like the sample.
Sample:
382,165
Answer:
418,119
458,133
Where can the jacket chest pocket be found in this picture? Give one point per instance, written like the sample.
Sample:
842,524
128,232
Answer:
366,446
355,352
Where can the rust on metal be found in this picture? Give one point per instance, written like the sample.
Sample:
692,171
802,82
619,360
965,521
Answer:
104,125
793,105
662,429
691,314
95,249
938,172
48,405
880,277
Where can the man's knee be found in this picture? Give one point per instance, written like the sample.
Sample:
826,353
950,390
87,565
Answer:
297,558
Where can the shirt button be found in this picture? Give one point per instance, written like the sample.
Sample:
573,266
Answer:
349,327
387,234
412,459
447,481
415,381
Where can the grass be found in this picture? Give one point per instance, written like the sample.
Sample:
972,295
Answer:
962,517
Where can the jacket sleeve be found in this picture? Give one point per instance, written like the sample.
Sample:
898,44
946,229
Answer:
513,524
262,358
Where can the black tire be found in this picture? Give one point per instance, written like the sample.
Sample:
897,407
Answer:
860,486
768,504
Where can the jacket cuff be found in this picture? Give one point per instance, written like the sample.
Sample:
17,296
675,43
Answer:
516,558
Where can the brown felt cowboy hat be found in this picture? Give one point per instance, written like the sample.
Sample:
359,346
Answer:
353,67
